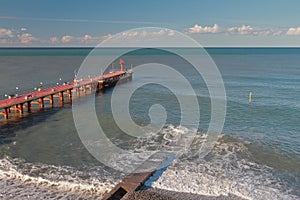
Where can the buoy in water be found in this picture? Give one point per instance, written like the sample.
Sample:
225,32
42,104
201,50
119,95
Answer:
250,96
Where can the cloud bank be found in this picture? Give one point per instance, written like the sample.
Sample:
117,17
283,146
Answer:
22,37
234,30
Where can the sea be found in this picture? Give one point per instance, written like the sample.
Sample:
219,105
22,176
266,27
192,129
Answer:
256,156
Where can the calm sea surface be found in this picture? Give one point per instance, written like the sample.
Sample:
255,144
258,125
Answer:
257,156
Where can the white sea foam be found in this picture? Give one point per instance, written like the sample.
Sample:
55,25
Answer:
171,140
226,170
20,180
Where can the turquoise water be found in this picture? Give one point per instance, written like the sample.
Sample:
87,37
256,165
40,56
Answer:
261,139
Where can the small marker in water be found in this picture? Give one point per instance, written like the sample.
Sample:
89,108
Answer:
250,96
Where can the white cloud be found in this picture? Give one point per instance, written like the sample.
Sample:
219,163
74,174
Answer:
133,34
248,30
81,40
87,37
242,30
54,39
66,38
163,32
278,33
265,32
11,37
6,33
293,31
171,33
206,29
235,30
26,38
23,29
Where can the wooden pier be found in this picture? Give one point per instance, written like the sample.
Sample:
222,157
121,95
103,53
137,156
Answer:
23,103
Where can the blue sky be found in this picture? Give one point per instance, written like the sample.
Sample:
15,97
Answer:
210,22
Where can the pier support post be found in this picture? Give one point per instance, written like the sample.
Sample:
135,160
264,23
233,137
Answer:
100,85
41,102
51,100
61,96
70,94
6,110
21,109
28,106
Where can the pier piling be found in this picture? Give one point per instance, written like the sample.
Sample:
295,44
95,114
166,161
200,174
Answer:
41,102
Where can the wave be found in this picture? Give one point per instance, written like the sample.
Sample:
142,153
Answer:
20,180
229,169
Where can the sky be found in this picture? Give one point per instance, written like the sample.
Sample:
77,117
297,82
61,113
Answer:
210,22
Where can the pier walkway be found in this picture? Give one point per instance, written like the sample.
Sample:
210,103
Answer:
24,102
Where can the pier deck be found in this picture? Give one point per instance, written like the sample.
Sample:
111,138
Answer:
25,100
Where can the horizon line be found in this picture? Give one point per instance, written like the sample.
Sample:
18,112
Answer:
90,47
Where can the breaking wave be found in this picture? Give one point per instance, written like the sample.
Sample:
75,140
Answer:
21,180
228,169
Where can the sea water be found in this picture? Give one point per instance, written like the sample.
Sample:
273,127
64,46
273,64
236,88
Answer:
257,156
